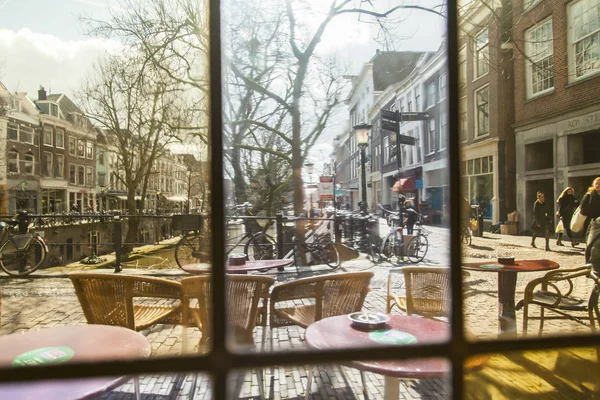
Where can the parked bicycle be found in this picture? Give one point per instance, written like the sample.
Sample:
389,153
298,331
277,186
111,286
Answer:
394,249
193,247
318,245
20,253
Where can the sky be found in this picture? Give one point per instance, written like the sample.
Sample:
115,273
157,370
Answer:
42,42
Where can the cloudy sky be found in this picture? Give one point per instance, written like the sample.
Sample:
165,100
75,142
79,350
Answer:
42,42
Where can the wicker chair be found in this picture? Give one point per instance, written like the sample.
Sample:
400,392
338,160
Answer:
244,293
395,299
427,292
329,295
552,292
109,299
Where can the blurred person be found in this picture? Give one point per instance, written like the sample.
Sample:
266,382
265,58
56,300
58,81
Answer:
541,223
411,216
590,205
567,204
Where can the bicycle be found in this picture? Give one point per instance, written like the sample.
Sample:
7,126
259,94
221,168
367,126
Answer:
22,253
193,246
417,247
322,250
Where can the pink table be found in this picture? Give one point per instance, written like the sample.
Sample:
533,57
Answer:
75,343
336,332
259,265
507,282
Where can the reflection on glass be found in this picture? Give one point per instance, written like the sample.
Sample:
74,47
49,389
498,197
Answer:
422,378
560,373
146,386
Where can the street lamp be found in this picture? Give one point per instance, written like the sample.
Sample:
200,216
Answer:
309,168
157,200
102,191
362,140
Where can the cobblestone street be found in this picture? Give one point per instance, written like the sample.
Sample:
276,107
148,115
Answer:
567,374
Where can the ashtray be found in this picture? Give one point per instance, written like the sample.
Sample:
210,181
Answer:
237,259
368,320
507,260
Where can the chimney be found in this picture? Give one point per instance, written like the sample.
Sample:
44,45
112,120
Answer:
42,94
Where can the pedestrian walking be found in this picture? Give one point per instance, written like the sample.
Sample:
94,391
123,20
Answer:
590,205
567,204
411,217
541,220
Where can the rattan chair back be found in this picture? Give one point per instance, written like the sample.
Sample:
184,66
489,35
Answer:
108,299
243,295
427,291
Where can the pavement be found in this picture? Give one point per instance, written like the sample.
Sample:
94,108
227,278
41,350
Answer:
48,300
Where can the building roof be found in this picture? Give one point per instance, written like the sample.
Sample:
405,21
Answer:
392,67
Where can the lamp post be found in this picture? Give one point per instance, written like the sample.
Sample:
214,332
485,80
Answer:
309,168
102,192
157,201
362,140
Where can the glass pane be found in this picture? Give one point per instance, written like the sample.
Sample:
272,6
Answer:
338,381
558,373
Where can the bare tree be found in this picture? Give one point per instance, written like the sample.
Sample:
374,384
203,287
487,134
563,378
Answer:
142,112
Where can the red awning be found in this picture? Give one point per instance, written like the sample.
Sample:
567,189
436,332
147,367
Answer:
405,185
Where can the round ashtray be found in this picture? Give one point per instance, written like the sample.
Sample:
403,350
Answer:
368,320
506,260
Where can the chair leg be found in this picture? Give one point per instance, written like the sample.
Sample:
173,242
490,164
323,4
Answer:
525,316
193,387
363,383
541,321
308,383
261,383
136,386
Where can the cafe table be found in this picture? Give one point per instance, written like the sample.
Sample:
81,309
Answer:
401,330
507,282
249,266
69,344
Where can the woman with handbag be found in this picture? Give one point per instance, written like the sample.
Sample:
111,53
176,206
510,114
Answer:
541,221
590,205
567,203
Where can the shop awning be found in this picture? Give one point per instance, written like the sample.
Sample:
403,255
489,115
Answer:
122,197
404,185
176,198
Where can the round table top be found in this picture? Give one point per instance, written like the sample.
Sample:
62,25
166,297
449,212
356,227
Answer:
77,343
518,266
337,332
258,265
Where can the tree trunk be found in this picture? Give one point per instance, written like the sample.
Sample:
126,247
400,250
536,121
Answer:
132,223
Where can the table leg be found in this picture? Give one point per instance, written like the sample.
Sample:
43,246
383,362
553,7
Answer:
391,388
507,282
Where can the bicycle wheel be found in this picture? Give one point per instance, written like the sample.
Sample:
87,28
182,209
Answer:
22,255
389,249
189,249
325,253
417,248
374,254
261,247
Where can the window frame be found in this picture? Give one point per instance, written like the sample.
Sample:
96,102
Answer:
89,176
572,43
72,146
61,170
14,152
442,87
431,123
530,59
89,150
220,360
21,126
44,132
48,156
479,49
62,141
476,105
72,174
81,174
80,148
15,128
443,134
28,162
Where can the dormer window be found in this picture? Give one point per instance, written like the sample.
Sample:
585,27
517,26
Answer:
53,109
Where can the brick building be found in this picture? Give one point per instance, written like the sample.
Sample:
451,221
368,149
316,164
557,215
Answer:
486,110
557,107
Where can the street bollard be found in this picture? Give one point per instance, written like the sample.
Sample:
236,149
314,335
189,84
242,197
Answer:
117,243
350,240
338,228
23,221
279,232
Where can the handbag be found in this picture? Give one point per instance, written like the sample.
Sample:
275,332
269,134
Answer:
560,227
578,221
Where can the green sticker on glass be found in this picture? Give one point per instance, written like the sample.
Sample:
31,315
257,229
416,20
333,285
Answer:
392,336
45,355
491,266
